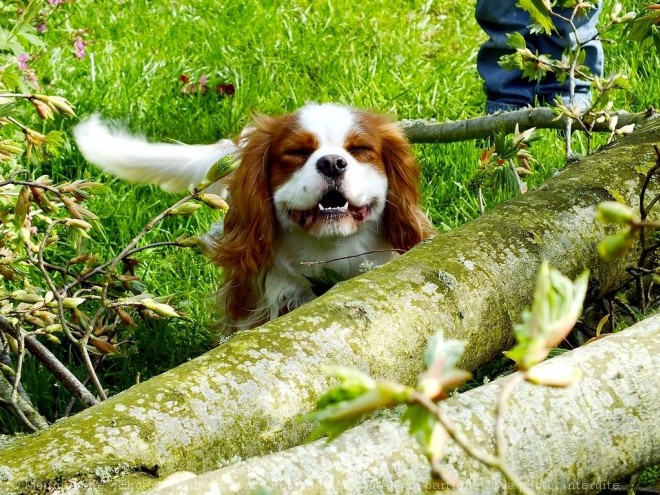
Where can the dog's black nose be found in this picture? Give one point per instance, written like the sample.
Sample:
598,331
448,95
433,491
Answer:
331,165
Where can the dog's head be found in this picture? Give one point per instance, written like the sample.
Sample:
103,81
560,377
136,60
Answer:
325,171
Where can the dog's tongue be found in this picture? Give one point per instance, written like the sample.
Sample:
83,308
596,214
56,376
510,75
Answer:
358,212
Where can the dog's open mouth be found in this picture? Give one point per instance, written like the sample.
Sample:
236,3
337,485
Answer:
333,207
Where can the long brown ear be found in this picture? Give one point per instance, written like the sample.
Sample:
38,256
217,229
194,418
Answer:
406,224
246,246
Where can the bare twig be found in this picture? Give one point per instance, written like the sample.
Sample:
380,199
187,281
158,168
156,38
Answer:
571,79
6,360
24,411
46,187
59,371
495,462
78,336
482,203
130,248
647,180
627,308
19,367
19,405
311,263
643,214
59,296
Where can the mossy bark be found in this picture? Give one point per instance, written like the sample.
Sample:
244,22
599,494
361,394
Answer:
421,131
245,398
580,439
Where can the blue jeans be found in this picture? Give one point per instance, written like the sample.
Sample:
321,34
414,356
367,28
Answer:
506,89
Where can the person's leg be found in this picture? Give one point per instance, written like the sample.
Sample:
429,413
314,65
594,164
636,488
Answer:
563,39
505,89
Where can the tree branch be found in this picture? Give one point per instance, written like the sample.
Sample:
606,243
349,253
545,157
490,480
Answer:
421,131
18,404
59,371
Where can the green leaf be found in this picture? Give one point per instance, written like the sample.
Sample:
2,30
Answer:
332,429
421,423
536,28
54,142
539,11
516,40
12,45
336,417
556,308
582,57
442,376
31,11
352,384
621,81
449,351
567,4
30,37
644,27
355,396
8,108
10,77
557,351
504,179
536,70
512,61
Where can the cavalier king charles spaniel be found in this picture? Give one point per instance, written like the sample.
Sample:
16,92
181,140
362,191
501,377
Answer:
326,184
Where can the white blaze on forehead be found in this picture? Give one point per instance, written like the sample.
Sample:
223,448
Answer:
330,123
361,183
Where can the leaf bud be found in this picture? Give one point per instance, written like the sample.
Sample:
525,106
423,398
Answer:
77,223
55,327
160,309
214,201
553,375
72,302
185,209
614,212
26,297
628,17
616,245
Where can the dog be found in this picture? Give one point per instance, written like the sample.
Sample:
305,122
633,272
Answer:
327,183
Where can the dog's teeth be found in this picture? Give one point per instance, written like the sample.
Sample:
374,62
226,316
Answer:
321,207
345,207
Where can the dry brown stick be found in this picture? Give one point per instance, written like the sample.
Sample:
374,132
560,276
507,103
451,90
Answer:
59,371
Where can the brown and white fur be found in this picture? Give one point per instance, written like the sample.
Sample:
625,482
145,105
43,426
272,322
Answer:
327,182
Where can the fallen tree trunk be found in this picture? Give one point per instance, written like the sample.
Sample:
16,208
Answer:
244,398
581,439
422,131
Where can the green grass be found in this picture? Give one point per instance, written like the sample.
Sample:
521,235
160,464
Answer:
411,59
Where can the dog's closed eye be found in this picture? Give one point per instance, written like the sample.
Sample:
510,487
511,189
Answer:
356,203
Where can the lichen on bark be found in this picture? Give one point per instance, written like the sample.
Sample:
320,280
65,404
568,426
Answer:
245,398
557,440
